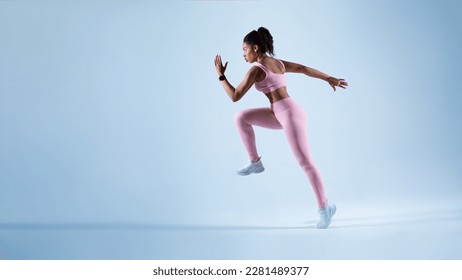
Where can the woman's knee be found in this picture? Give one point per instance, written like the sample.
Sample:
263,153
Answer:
245,116
306,164
240,117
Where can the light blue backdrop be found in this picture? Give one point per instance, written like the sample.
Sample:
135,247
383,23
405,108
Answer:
111,112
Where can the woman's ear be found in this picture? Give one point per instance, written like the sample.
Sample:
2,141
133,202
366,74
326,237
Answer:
255,48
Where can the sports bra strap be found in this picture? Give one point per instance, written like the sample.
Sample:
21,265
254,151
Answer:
283,66
262,67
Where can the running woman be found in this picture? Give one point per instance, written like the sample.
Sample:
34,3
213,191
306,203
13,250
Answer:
284,113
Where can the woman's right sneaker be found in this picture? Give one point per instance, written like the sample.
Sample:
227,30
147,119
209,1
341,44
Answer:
252,167
325,216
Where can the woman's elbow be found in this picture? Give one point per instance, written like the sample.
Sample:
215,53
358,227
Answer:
236,97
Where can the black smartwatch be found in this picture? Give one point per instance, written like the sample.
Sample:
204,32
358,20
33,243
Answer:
222,78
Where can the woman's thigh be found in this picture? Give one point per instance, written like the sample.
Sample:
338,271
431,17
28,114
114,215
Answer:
263,117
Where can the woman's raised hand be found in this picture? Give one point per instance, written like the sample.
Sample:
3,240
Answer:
334,82
219,65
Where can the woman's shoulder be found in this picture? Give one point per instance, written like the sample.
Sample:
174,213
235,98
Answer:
257,72
258,67
276,64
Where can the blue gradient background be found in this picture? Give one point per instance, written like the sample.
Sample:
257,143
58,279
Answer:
111,113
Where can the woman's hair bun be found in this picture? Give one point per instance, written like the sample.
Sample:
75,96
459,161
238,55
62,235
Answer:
261,37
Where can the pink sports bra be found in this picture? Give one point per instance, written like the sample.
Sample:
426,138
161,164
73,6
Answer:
272,81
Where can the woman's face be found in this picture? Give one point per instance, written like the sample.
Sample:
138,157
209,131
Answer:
250,53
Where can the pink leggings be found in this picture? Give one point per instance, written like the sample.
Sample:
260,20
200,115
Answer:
288,115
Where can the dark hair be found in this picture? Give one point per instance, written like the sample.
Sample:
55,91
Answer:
262,38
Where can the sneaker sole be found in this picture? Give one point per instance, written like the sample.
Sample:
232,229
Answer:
248,173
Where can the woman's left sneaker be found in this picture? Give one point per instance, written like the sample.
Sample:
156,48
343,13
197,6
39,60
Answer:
252,167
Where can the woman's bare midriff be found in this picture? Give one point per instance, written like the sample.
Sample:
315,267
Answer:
277,95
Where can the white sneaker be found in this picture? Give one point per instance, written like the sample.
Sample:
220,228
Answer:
326,215
252,167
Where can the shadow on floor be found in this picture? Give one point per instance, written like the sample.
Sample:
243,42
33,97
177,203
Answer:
128,226
397,219
400,219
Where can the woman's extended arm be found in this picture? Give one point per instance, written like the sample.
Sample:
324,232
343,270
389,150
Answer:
235,94
298,68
